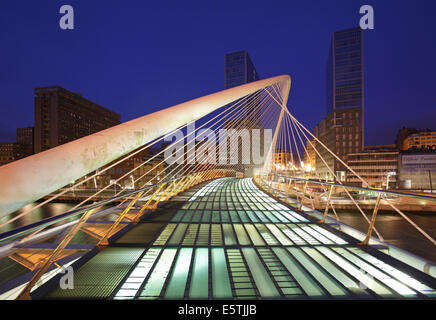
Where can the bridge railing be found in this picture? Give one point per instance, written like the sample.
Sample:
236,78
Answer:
320,195
131,207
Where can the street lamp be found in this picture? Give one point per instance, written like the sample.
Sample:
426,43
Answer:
133,182
388,175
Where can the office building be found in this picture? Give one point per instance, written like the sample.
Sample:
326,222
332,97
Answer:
420,140
342,130
62,116
239,70
377,165
25,137
11,151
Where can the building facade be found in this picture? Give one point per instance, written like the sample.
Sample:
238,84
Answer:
417,169
310,154
239,70
25,137
342,130
62,116
377,165
11,151
282,158
420,140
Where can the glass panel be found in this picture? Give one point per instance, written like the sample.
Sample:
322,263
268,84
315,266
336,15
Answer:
138,275
376,273
199,288
254,235
207,216
178,234
286,283
330,285
203,235
243,216
317,235
190,235
367,281
295,228
329,235
178,216
177,284
267,235
188,216
346,281
263,281
237,265
157,279
279,235
163,237
289,216
242,235
216,216
252,216
220,277
197,216
305,281
229,235
401,276
216,238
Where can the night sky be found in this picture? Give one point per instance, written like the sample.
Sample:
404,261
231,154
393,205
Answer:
139,56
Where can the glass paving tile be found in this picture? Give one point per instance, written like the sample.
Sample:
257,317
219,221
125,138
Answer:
229,235
191,235
231,240
220,277
179,276
263,281
155,283
199,288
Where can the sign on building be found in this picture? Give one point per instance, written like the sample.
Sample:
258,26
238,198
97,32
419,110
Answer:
421,162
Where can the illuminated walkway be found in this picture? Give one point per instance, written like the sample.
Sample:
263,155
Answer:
232,241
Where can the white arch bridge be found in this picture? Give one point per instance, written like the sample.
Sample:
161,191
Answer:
200,229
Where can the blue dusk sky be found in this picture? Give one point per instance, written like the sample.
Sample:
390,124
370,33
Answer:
139,56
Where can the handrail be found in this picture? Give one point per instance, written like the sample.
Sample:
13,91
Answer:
21,231
417,196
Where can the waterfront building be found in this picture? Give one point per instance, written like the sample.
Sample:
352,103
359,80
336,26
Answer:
378,165
417,169
420,140
62,116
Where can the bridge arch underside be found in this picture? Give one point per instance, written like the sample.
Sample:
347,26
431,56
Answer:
227,239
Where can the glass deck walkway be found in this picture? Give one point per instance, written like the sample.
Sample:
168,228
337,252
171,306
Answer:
230,240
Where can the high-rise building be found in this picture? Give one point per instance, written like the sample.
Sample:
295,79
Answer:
62,116
25,137
345,71
239,70
342,130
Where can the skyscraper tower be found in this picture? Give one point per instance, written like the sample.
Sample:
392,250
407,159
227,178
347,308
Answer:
342,131
239,69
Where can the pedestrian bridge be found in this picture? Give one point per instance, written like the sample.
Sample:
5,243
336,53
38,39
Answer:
197,229
231,240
